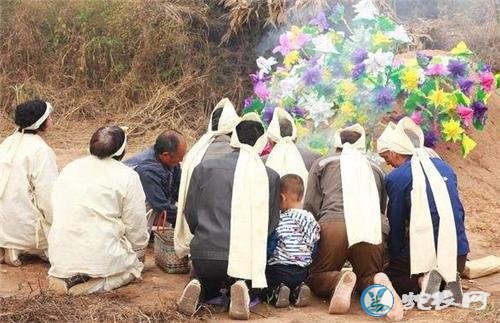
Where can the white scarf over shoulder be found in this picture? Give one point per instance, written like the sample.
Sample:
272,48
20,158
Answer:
249,212
285,158
228,120
359,191
422,247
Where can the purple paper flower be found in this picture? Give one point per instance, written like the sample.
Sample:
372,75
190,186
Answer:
258,78
359,55
298,112
465,85
320,21
436,70
247,102
485,68
358,71
430,139
457,67
384,97
261,90
312,76
479,111
267,114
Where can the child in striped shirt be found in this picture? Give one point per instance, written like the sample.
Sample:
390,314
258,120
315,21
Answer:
290,247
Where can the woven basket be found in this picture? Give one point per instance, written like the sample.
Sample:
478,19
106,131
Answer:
165,256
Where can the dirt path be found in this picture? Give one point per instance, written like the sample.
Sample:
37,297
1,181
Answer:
479,183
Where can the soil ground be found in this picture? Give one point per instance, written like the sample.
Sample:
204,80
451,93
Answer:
22,296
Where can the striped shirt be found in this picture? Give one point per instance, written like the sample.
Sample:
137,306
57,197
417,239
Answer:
296,236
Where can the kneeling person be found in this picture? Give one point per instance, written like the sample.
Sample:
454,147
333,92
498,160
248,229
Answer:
290,247
99,229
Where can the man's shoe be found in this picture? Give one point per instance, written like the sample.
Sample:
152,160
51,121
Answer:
91,286
57,285
301,295
456,289
341,298
239,307
11,257
397,311
431,282
281,296
188,302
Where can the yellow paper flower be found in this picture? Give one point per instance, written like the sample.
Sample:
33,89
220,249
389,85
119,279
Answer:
438,98
379,39
452,130
348,88
327,75
301,130
291,58
296,31
409,79
467,145
335,36
347,108
362,119
461,49
451,104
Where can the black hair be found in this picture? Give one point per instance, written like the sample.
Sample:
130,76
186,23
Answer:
167,141
27,113
349,136
215,119
286,128
106,141
249,131
292,183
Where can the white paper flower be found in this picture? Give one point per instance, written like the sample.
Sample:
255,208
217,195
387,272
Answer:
324,44
399,34
289,85
265,65
365,9
378,61
319,110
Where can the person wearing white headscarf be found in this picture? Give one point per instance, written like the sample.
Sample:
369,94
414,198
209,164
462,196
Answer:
232,207
28,170
213,143
99,232
285,158
345,192
426,216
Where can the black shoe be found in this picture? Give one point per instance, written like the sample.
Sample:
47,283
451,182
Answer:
301,296
456,289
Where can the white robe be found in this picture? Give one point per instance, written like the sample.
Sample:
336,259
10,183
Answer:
99,220
25,207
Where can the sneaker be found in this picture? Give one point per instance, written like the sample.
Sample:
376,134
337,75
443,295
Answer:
281,296
239,307
456,289
91,286
188,302
431,282
341,298
57,285
397,312
11,257
301,295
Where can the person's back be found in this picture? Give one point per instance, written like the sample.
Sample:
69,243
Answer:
219,147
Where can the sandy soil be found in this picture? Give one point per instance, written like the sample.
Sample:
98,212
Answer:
479,183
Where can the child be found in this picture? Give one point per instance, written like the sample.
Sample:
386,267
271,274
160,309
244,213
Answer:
290,247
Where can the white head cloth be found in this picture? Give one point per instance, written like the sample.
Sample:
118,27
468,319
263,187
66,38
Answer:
120,150
285,158
227,121
7,159
359,191
422,248
249,212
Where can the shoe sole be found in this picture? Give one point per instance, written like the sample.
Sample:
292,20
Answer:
189,299
397,311
87,288
239,305
432,286
304,296
57,286
456,289
340,303
283,297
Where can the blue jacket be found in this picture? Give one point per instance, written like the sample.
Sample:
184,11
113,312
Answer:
399,185
160,183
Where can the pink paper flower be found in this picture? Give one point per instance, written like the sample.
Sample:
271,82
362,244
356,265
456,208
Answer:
436,70
466,114
261,90
487,81
417,117
285,45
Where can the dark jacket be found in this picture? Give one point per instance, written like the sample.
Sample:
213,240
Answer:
208,206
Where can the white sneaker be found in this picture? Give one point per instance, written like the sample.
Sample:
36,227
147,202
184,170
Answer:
239,307
340,303
189,299
397,311
57,286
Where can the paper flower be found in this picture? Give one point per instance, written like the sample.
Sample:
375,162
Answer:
288,86
291,58
467,145
358,71
265,65
423,60
365,9
380,39
378,61
436,70
347,108
298,38
285,45
430,139
409,79
438,98
324,44
298,112
479,111
384,97
466,114
487,81
319,109
312,76
267,114
399,34
320,21
465,85
347,88
457,67
359,55
461,49
417,117
260,89
452,130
